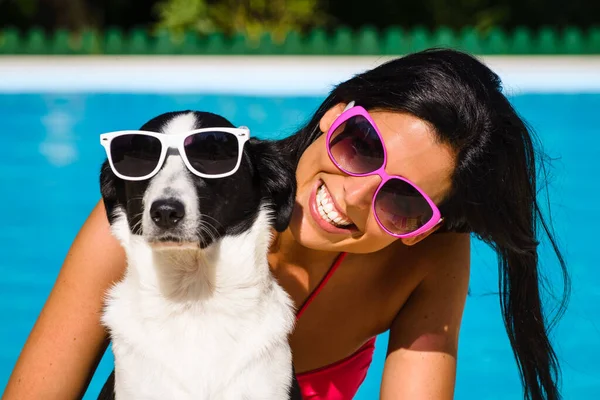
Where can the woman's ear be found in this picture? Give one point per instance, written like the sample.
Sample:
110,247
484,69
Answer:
330,116
416,239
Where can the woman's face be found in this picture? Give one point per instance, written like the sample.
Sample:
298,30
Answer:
413,153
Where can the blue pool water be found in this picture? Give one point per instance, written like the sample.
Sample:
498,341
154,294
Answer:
49,181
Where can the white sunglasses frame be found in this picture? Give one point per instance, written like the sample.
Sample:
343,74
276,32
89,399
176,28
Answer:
175,141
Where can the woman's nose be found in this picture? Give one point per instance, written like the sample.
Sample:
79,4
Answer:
359,190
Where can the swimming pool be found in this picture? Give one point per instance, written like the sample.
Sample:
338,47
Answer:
49,176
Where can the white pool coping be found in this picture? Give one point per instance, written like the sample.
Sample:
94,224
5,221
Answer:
261,75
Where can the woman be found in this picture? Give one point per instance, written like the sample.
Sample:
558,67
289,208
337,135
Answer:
360,256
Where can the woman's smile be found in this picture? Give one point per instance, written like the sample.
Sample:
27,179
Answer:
326,212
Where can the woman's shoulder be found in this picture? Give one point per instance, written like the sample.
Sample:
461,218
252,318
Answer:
423,335
68,337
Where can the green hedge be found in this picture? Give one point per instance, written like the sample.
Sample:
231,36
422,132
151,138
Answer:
343,41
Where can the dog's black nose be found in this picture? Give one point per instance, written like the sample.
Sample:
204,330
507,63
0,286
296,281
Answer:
167,213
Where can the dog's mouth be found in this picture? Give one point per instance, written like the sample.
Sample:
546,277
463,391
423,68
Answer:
170,242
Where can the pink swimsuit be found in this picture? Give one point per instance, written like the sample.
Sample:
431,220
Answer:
340,380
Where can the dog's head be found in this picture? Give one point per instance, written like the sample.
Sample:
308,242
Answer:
176,208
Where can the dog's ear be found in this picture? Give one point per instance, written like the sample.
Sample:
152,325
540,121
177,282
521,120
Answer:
108,189
277,179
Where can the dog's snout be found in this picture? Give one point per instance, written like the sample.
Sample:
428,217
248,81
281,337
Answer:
167,213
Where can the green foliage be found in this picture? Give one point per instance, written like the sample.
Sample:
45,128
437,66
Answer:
185,15
480,14
337,27
251,18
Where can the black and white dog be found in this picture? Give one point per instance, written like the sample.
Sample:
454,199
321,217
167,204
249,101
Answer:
198,314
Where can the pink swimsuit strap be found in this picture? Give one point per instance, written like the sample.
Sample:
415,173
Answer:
341,379
336,264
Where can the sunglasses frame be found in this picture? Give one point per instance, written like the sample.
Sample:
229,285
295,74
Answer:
175,141
352,111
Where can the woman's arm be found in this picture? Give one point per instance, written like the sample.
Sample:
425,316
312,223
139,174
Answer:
67,341
421,360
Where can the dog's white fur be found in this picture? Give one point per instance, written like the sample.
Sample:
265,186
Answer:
198,324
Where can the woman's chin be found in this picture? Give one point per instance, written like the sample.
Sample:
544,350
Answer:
307,236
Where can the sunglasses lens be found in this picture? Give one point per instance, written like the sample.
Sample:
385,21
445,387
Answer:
401,208
135,155
356,147
212,153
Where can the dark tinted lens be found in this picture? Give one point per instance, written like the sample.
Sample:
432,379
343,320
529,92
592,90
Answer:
400,207
135,155
212,153
356,147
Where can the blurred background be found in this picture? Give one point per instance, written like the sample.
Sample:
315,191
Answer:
72,69
254,16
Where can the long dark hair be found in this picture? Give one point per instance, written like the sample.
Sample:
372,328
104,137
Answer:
494,188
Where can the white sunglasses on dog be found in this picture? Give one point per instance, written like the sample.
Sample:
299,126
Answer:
207,152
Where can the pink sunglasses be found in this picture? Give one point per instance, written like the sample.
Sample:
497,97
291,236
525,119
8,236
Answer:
356,147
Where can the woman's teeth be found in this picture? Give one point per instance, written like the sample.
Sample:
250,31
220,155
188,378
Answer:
327,209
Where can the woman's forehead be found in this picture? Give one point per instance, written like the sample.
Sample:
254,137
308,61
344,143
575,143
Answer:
415,152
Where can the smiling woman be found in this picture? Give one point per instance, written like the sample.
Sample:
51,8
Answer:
358,149
454,139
